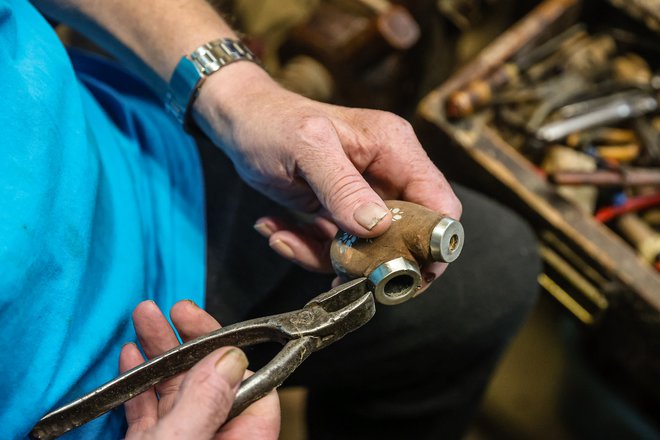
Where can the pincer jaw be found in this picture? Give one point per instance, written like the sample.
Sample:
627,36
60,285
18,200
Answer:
347,308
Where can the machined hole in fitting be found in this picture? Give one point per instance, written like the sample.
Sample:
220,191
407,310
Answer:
399,285
453,243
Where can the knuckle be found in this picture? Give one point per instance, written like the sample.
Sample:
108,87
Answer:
168,387
344,191
212,391
396,123
140,422
314,126
312,133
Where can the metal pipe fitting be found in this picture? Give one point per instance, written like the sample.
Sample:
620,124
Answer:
395,281
392,261
446,240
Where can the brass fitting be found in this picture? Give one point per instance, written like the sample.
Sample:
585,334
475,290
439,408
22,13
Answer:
392,261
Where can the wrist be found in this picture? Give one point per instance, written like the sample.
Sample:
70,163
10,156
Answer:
193,70
226,94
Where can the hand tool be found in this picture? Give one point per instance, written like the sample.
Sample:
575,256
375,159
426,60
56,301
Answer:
624,153
650,137
617,109
591,104
593,56
478,93
603,135
630,68
568,86
645,239
462,13
560,159
322,321
395,23
392,261
623,177
555,61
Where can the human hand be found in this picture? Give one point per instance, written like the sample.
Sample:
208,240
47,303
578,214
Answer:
193,404
316,157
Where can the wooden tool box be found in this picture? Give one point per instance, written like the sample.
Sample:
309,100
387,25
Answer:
588,268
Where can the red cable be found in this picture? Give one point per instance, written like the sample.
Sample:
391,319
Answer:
634,204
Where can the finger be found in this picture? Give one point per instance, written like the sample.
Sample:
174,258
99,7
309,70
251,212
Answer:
320,228
153,330
430,272
157,336
417,180
191,320
207,394
434,192
303,250
402,168
142,410
307,245
340,188
261,420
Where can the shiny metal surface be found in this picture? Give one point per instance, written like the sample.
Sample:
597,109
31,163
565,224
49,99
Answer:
395,281
447,240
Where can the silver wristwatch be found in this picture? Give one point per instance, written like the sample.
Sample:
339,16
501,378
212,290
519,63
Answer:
192,70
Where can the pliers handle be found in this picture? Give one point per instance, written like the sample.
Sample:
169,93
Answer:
322,321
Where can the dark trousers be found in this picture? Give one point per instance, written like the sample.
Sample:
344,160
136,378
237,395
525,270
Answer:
416,370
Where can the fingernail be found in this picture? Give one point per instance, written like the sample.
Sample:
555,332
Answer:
192,303
429,277
263,229
283,249
127,343
369,215
232,366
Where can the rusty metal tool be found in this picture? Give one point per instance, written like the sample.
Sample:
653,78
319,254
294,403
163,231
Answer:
322,321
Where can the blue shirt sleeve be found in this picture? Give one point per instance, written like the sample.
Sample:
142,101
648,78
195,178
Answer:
101,207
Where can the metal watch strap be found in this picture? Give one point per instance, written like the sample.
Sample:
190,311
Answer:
192,70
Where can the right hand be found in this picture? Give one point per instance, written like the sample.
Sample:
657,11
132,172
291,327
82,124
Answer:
192,405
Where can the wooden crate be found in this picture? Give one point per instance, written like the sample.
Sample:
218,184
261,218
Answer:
589,269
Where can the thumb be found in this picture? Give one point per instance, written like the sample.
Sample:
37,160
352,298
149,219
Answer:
341,189
206,396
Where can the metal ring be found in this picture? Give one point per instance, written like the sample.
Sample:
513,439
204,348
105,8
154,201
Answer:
395,281
447,240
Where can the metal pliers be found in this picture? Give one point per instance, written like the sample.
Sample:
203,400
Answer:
322,321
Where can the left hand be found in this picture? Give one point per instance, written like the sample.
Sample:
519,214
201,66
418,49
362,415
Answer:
194,404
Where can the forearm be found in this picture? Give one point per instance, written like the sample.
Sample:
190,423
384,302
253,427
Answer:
300,153
150,36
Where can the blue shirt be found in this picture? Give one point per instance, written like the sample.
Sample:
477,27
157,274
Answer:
101,207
